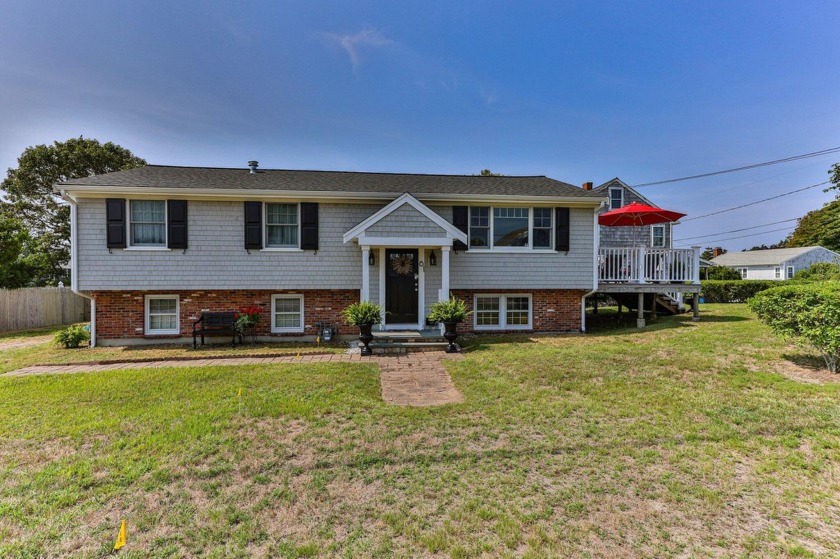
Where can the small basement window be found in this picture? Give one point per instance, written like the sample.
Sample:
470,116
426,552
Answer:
162,315
287,314
502,312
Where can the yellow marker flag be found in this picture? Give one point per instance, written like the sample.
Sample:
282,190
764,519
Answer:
239,394
298,356
120,537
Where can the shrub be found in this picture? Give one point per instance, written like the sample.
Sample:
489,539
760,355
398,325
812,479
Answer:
723,273
820,271
72,336
808,314
361,313
732,291
247,317
453,310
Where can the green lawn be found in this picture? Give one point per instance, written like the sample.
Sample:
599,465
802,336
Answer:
685,440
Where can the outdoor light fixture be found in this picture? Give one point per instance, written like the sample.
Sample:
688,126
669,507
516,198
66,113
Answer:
432,259
371,259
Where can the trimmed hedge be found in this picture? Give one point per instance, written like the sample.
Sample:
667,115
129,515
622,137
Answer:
734,291
808,314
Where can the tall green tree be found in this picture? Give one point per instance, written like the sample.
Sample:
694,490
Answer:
44,215
818,228
13,239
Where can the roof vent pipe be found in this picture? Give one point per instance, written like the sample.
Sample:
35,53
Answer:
253,165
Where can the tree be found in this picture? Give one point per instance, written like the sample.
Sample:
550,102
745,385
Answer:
820,271
818,228
489,173
780,244
44,215
13,238
834,178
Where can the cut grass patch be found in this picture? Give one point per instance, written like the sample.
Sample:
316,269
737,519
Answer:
682,440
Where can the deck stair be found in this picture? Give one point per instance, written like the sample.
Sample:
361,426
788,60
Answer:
405,341
665,303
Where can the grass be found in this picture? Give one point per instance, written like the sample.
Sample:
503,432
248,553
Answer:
685,440
35,347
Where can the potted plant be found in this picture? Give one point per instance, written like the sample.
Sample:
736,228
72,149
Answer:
72,337
364,315
449,312
247,319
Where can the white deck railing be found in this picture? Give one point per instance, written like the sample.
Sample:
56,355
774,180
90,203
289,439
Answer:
648,265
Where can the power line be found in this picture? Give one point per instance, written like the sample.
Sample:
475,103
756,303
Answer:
745,167
754,203
750,235
736,230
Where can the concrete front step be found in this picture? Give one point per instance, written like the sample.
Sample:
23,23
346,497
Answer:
380,348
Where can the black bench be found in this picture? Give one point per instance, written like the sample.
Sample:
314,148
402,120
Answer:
216,324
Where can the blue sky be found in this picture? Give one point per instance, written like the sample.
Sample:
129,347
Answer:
574,90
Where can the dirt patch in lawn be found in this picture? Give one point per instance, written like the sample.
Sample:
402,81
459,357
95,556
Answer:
24,342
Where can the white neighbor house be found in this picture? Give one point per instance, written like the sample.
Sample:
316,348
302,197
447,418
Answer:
775,264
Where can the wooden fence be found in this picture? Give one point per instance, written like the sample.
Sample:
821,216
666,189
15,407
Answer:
36,307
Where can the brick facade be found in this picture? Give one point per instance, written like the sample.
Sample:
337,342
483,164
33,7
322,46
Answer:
554,310
121,314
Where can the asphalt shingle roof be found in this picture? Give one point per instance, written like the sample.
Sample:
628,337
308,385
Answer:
760,257
160,176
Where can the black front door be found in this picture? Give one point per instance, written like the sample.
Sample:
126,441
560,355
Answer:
401,286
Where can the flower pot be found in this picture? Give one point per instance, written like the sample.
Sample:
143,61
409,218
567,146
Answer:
450,333
365,337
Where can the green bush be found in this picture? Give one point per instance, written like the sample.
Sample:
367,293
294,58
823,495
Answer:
72,336
361,313
734,291
723,273
821,271
453,310
808,314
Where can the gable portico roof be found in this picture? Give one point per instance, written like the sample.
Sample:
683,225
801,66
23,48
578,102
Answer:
233,182
452,232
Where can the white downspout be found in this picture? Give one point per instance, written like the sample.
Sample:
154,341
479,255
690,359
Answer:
74,263
596,241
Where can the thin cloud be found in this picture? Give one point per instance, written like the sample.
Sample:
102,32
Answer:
352,44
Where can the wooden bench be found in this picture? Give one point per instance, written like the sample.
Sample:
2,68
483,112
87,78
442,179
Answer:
216,324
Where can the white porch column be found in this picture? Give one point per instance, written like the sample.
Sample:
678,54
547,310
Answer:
365,273
444,273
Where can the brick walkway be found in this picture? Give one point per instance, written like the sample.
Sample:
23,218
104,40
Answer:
417,379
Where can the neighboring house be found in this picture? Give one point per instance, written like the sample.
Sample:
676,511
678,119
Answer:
619,194
153,247
775,264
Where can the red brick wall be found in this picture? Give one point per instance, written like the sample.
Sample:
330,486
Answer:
553,310
121,314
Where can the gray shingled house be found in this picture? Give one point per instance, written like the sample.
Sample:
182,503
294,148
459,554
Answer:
775,264
155,247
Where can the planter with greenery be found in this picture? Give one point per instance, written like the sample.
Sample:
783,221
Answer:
364,315
72,336
247,319
449,312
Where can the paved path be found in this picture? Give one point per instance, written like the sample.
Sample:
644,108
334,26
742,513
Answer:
416,379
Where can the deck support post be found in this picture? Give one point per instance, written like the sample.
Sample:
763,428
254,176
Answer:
640,320
653,307
695,307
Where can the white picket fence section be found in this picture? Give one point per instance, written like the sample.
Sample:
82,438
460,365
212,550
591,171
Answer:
36,307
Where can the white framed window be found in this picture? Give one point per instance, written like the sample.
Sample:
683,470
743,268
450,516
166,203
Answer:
493,311
287,313
282,225
616,197
162,315
511,228
777,272
790,272
147,223
743,272
657,233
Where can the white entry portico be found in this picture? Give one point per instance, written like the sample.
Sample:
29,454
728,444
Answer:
406,238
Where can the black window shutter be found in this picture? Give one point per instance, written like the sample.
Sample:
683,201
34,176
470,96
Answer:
177,224
115,215
561,229
253,225
309,226
461,220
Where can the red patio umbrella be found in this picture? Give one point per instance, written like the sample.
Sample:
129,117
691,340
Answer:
636,215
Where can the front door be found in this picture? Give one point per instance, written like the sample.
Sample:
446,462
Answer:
401,286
